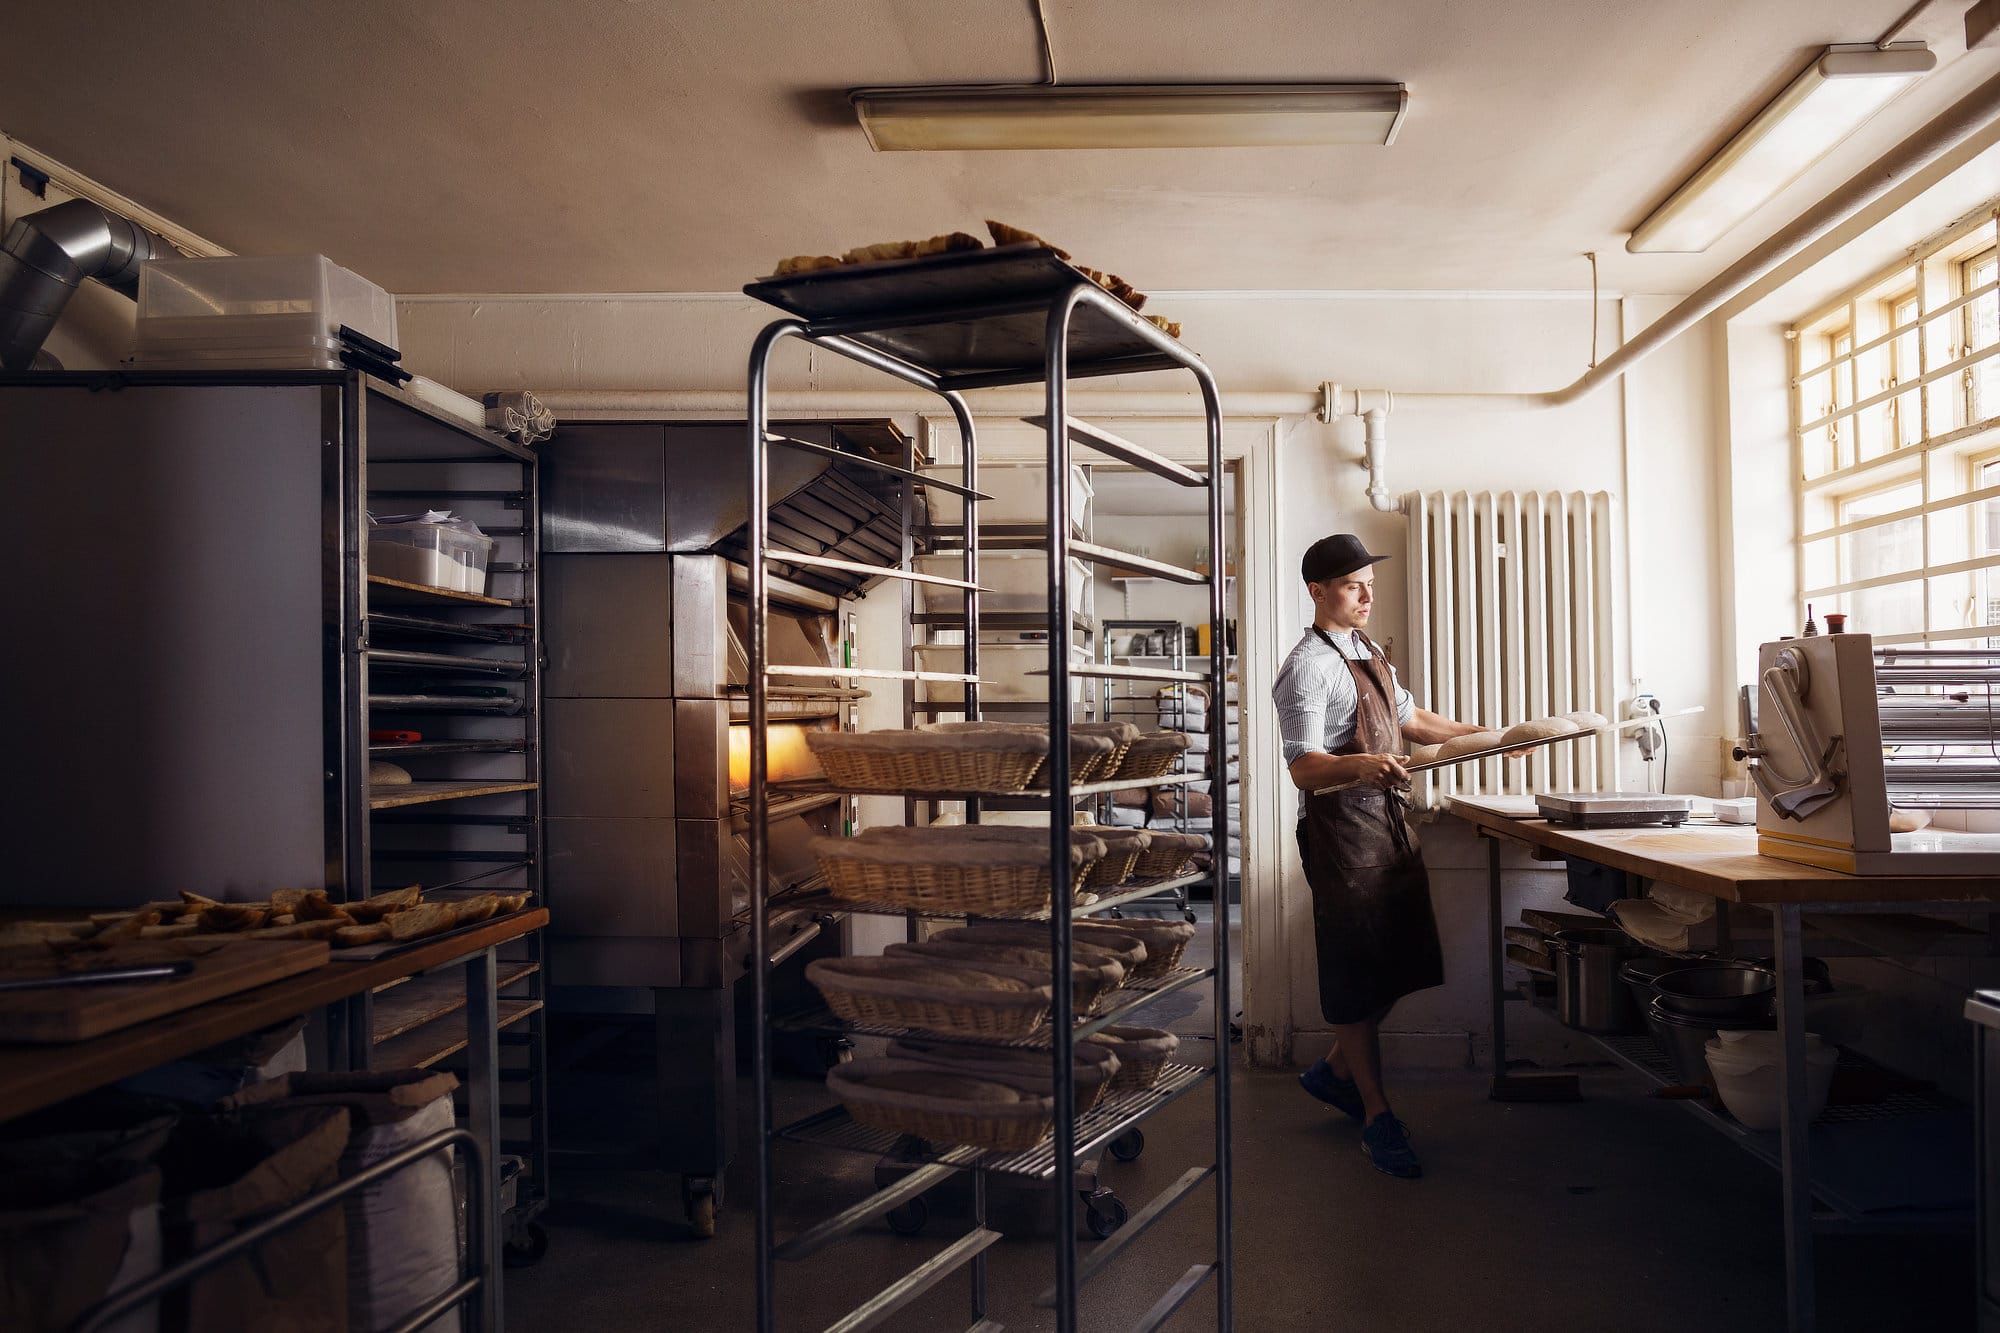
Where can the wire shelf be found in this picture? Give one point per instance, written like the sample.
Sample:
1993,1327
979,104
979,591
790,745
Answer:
820,900
1121,1004
1113,1116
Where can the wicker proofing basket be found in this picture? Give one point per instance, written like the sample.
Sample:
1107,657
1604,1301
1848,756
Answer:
1094,974
1165,941
970,868
1122,736
1100,936
1153,755
892,992
1122,849
1095,748
1004,1119
1168,856
999,760
1142,1054
1032,1071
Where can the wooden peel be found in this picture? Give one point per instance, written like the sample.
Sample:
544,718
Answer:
1515,748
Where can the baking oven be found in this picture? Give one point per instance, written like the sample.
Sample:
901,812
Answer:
646,724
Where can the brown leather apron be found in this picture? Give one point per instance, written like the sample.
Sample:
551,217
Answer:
1372,920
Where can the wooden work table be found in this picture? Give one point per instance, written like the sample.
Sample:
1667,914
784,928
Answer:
32,1077
38,1076
1722,862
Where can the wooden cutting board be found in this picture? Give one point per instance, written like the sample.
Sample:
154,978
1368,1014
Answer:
77,1013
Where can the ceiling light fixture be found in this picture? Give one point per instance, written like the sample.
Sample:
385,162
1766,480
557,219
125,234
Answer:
1833,97
1072,115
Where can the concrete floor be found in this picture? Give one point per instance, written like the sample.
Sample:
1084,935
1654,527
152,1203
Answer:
1620,1212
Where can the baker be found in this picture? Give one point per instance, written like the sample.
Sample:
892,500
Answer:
1345,722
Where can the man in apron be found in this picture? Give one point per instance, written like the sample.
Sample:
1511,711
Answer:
1345,723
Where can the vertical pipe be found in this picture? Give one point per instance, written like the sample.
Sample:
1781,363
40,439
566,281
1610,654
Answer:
1218,790
1056,370
482,1115
1793,1124
760,800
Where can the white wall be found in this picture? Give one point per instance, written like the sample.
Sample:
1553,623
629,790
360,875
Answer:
1412,344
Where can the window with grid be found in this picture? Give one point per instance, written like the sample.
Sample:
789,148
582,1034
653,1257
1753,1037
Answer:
1896,412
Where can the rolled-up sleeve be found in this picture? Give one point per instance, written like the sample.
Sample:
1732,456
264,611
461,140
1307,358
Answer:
1406,707
1301,694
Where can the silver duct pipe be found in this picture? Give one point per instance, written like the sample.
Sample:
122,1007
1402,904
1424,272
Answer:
45,258
1952,127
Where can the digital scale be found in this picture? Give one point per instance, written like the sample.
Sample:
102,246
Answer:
1613,809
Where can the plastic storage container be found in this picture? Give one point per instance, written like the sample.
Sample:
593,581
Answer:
1009,581
1004,672
1016,493
451,556
1744,1066
207,313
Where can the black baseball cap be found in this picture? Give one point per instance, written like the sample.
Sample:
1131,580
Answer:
1331,557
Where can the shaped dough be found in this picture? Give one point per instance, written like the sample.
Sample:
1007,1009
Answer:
1423,754
1468,744
1521,733
1586,720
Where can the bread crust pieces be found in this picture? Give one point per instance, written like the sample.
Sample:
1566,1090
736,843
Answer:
292,914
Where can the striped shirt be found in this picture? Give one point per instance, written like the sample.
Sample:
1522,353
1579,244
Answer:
1316,696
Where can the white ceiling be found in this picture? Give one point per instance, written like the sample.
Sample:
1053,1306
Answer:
614,145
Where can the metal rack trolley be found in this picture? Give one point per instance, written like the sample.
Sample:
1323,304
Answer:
286,465
950,324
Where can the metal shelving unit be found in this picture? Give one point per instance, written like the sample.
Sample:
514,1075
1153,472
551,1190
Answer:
263,635
1014,315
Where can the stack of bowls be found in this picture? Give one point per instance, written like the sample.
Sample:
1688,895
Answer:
1691,1004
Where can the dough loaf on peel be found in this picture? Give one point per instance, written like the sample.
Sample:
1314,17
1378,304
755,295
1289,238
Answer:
1469,744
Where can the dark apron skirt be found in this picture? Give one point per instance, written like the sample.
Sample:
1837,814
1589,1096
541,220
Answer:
1372,920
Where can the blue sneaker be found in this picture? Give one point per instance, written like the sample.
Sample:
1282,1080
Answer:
1386,1144
1337,1092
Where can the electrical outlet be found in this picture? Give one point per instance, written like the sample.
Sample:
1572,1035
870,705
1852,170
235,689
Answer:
1644,704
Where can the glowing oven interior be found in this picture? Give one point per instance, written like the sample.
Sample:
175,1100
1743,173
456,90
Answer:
786,755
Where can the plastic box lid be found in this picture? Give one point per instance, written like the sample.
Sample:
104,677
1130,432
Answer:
184,297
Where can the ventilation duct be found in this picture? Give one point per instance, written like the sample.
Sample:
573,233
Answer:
45,258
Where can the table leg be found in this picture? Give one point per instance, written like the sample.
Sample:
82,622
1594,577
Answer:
1496,961
1508,1087
482,1104
1794,1126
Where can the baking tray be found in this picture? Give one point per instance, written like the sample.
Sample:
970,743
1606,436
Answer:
974,318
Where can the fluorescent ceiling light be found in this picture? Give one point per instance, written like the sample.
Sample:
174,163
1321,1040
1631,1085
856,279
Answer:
1203,115
1835,95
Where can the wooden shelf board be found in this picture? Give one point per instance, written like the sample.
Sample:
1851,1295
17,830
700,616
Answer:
402,1006
395,592
391,796
433,1042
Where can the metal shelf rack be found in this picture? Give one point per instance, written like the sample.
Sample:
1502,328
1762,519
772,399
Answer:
264,625
951,324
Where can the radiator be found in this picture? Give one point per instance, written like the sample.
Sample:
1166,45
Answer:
1510,605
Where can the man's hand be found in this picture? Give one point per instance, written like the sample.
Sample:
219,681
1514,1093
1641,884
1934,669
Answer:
1383,770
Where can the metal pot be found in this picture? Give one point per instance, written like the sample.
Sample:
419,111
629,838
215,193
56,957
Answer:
1589,994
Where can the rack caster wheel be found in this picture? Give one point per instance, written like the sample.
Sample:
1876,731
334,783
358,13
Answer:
1191,918
526,1246
1106,1213
700,1201
1127,1146
908,1219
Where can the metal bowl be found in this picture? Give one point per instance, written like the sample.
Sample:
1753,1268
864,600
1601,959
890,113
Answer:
1731,991
1639,974
1684,1039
